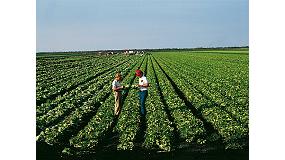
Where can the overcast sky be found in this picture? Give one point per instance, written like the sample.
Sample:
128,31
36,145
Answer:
73,25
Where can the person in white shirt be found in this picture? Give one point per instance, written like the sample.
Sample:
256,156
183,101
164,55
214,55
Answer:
143,85
117,88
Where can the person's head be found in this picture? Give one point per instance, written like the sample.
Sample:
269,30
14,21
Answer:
139,73
118,76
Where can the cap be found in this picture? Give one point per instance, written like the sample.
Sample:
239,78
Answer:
139,73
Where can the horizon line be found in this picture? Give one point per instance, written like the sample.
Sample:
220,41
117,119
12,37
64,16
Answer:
246,46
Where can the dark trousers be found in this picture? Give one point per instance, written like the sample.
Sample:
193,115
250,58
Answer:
143,95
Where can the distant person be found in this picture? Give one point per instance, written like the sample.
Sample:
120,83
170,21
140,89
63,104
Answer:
117,88
143,85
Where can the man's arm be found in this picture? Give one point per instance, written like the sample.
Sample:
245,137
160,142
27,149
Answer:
117,88
144,85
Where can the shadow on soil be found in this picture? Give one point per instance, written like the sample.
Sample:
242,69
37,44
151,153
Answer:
46,152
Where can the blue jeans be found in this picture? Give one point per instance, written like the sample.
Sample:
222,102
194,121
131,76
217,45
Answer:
143,95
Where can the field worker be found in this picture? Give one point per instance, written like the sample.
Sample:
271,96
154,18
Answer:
143,85
117,88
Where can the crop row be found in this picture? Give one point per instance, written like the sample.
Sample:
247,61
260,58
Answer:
97,127
188,126
56,65
56,74
75,94
50,63
210,87
58,132
230,70
227,75
44,108
159,133
228,128
54,77
71,103
58,89
219,68
128,123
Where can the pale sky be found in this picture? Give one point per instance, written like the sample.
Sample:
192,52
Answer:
77,25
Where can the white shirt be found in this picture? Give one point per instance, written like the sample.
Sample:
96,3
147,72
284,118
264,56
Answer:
116,84
143,81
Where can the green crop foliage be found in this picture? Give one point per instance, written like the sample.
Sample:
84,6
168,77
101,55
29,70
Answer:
195,97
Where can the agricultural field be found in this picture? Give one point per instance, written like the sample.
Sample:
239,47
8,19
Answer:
198,103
